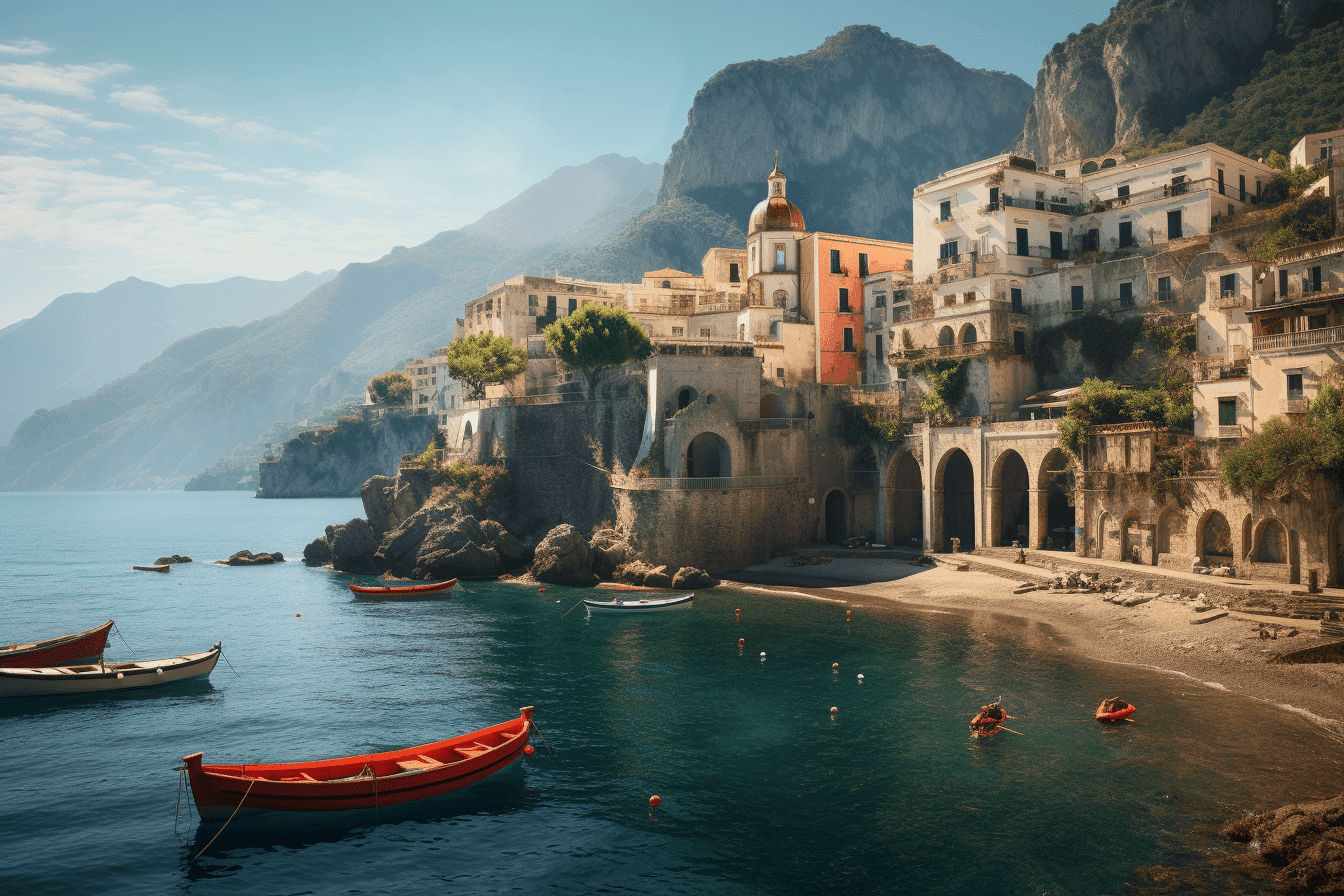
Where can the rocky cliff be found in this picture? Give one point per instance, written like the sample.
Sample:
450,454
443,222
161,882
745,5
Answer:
1151,64
858,122
335,461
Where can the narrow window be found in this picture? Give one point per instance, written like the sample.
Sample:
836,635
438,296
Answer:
1126,233
945,210
879,345
1241,186
1222,189
1314,279
1019,342
1174,224
1122,194
1227,285
1057,244
844,299
1040,200
993,198
1164,289
1257,189
1283,284
1015,295
573,305
948,250
863,264
779,373
1023,245
732,274
550,306
1294,386
1093,241
835,261
1076,298
779,256
1126,295
849,339
531,301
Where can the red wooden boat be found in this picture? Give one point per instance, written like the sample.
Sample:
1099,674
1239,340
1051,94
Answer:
406,592
67,650
1114,710
988,721
358,782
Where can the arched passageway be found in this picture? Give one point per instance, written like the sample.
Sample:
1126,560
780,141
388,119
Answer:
863,489
958,487
1014,512
968,334
906,488
946,336
1272,546
685,396
770,405
708,456
836,529
1215,539
1170,523
1057,485
1131,541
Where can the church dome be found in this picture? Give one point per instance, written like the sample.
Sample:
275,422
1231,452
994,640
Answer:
775,213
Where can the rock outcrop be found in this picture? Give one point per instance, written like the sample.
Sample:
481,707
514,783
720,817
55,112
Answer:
175,558
335,461
564,558
351,547
1306,840
1146,68
247,558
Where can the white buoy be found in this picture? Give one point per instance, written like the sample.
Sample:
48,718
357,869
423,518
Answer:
120,676
860,676
158,671
762,656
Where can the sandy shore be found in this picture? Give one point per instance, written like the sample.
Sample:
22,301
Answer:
1226,653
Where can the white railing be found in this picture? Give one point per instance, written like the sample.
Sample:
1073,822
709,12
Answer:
1302,339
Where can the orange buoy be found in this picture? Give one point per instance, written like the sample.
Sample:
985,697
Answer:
528,750
835,667
541,590
655,800
297,615
737,613
741,642
834,710
847,612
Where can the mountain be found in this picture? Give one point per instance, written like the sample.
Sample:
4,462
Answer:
1153,63
82,340
226,386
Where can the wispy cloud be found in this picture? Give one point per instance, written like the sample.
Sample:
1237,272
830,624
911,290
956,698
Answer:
69,80
44,122
24,48
150,101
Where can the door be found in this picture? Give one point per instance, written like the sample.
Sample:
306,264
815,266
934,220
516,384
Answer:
1126,233
1056,244
1022,247
1174,224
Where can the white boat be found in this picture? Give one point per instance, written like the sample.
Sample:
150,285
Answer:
97,678
639,605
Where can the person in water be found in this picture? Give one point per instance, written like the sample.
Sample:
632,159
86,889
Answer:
989,718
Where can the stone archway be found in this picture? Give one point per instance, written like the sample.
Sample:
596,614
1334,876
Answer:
708,456
770,406
1171,522
946,336
905,486
957,486
1215,539
968,335
1131,541
1054,485
1010,483
836,527
686,395
1104,542
1271,543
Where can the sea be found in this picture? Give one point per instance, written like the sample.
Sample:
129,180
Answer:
724,711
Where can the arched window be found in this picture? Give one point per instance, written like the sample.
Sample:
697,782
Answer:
781,298
1108,163
667,284
1089,167
945,336
968,335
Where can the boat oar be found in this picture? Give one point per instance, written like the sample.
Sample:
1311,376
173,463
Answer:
1009,730
570,610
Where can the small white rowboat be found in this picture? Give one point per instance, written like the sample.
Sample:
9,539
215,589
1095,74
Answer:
96,678
627,605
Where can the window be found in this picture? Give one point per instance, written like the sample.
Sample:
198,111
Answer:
1164,289
1241,186
779,257
879,345
667,284
1222,189
1019,342
968,298
1092,242
531,301
844,299
948,249
1312,281
1059,172
550,306
879,300
1057,244
1076,298
1294,387
1126,233
733,275
863,264
945,210
573,305
1174,231
1015,295
779,373
704,332
849,339
678,331
1317,321
1227,285
949,301
835,261
1257,189
1126,295
1040,200
1023,243
1179,185
1283,284
1122,194
993,198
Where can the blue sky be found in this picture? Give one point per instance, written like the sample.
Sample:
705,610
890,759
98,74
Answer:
188,142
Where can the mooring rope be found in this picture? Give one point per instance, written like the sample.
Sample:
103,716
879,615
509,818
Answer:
226,824
226,660
117,629
181,773
543,738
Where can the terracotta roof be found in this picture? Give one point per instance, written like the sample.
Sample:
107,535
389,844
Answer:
775,213
667,273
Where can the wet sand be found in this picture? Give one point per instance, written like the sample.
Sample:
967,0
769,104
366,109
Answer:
1225,654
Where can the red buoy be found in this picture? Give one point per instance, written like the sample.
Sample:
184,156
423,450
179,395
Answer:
541,590
297,615
655,800
528,750
847,612
834,710
741,641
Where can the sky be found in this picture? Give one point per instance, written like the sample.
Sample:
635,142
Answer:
187,142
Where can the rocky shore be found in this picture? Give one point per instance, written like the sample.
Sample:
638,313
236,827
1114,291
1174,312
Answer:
413,531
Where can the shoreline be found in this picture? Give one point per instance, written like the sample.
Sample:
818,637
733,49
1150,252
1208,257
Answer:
1225,655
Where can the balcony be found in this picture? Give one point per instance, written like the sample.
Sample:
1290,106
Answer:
1302,339
1293,406
965,350
1212,373
1056,205
1229,301
1235,431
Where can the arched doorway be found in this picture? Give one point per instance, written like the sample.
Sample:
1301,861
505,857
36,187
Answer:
958,487
946,336
836,529
1014,512
863,489
906,487
1171,522
685,396
1215,540
1131,541
769,405
708,456
1272,545
1104,524
1057,484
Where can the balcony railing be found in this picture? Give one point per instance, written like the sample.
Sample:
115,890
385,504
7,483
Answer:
1056,206
1228,301
1293,406
1212,373
1230,432
964,350
1302,339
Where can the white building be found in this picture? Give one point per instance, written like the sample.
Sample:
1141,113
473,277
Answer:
1314,147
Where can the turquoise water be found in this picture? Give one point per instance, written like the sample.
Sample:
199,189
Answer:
763,791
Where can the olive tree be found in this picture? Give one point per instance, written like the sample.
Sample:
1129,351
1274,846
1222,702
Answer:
595,338
480,360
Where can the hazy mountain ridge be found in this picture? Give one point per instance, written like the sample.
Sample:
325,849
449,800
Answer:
81,341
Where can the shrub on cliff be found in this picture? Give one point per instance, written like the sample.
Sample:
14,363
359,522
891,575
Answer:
390,388
480,360
476,488
596,337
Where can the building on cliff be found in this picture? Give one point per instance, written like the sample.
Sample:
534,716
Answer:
1312,148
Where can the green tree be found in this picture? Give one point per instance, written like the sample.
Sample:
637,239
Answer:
477,361
391,388
1284,456
596,337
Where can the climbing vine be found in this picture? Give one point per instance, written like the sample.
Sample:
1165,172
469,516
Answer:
947,379
860,424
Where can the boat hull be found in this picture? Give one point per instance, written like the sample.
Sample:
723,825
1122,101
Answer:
653,605
1118,716
67,650
358,782
401,592
58,681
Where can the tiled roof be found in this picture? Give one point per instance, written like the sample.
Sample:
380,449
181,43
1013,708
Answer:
667,272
